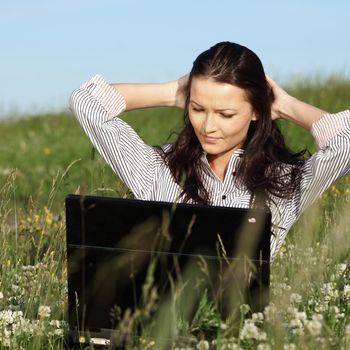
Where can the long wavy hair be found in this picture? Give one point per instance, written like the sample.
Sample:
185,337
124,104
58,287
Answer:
267,167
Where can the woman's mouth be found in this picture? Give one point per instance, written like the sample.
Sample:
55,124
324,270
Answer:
210,139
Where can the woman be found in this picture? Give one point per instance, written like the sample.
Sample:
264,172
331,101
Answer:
230,151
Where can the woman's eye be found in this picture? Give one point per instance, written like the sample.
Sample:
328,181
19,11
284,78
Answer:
197,109
227,115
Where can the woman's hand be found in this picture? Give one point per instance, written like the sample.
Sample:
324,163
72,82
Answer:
290,108
180,90
281,98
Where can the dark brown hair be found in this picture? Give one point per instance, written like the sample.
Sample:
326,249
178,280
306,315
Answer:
266,167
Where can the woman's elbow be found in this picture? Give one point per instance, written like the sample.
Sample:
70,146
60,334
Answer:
73,101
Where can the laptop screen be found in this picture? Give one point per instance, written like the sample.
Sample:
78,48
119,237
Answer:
130,261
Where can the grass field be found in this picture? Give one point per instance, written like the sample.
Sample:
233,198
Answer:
46,157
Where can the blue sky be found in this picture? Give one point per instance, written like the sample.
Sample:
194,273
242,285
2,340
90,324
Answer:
49,47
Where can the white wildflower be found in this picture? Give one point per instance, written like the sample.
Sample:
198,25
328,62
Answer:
263,346
223,326
203,345
301,316
28,326
292,311
298,321
4,318
314,260
289,346
44,311
334,310
285,287
295,323
37,327
321,307
22,326
1,296
346,292
317,317
281,288
244,308
6,337
309,251
329,291
230,346
298,331
321,340
258,317
28,267
55,323
58,332
314,327
58,327
295,298
340,268
251,331
270,312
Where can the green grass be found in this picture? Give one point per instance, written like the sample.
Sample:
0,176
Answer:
41,148
46,157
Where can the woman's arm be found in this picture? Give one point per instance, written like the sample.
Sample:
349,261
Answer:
331,132
170,94
146,95
290,108
96,105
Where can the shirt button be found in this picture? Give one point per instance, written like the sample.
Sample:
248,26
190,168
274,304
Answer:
223,197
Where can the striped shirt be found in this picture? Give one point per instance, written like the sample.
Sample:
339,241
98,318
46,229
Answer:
97,104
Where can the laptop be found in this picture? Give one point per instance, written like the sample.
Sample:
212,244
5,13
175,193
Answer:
140,269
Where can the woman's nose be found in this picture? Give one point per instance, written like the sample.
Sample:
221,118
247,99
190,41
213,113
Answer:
209,124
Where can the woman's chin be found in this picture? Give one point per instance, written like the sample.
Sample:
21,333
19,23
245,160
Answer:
211,149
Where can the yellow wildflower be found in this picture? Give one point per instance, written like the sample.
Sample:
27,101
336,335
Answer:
335,190
48,216
46,151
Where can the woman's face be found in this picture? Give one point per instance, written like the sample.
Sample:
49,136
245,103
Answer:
220,115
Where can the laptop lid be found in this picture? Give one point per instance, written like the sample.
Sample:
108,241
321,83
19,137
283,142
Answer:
127,257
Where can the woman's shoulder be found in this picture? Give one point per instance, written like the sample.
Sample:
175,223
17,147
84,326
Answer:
167,147
164,149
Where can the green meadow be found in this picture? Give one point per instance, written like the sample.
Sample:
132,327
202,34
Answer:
45,157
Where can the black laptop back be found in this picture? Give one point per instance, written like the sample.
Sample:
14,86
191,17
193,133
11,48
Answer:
126,259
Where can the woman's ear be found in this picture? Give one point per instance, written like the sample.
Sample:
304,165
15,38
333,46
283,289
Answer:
254,117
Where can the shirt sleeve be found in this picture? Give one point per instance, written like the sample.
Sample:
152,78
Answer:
331,162
96,105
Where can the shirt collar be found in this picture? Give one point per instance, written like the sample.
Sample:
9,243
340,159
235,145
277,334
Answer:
231,165
236,154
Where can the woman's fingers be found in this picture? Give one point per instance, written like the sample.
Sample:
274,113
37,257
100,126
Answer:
280,97
181,90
